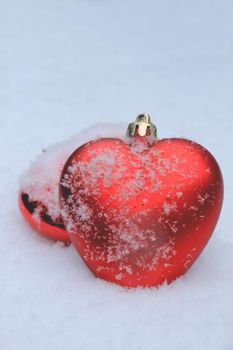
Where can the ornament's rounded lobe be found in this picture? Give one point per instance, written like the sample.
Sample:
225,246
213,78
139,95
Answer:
42,222
140,211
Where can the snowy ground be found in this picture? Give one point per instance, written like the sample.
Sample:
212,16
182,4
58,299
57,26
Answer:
65,65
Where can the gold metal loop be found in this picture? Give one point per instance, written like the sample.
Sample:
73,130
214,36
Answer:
142,126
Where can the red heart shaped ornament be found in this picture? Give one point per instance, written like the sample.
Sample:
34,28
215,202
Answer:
140,210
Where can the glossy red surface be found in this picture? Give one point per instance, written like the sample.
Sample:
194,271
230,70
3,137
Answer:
44,226
140,213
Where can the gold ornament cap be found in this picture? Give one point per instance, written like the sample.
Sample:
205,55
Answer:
142,126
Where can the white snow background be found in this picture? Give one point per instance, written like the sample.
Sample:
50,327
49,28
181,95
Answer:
65,65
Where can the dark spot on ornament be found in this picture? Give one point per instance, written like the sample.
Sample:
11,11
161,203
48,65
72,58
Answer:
66,191
31,206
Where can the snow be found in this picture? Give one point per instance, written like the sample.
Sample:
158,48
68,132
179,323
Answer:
65,65
41,180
